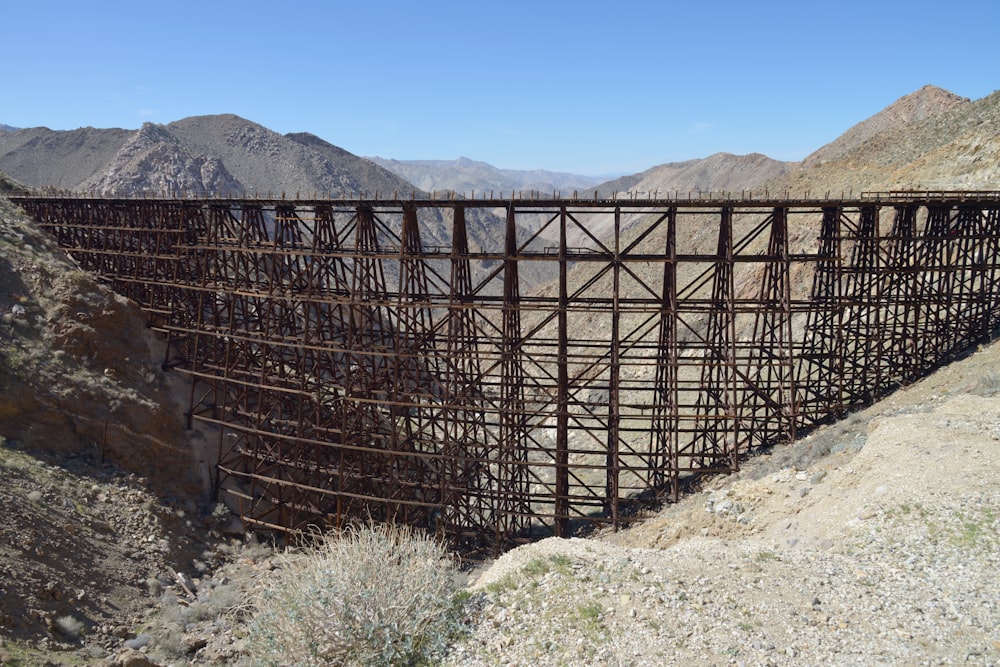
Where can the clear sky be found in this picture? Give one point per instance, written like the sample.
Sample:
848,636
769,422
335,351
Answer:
586,87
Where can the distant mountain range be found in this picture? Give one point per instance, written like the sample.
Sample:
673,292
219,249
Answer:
196,155
467,176
218,154
928,139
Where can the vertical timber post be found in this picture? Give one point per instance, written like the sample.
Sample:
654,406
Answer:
562,390
666,413
509,492
614,374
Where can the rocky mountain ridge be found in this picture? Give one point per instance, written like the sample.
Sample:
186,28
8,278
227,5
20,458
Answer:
463,175
154,160
196,155
929,139
916,141
920,105
721,172
955,145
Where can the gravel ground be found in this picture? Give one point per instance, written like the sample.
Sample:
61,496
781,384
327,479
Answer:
883,548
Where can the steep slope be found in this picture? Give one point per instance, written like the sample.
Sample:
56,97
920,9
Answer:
466,176
957,148
262,160
79,371
63,159
721,172
92,446
352,173
154,161
928,102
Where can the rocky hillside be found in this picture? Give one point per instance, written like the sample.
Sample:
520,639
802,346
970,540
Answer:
466,176
156,161
928,102
101,486
79,371
198,155
927,140
872,541
722,172
40,156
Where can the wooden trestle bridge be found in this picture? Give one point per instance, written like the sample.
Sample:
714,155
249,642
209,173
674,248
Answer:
350,368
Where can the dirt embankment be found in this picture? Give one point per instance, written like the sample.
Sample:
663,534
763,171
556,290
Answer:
875,540
98,484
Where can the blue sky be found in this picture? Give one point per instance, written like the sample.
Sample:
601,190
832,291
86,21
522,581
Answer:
585,87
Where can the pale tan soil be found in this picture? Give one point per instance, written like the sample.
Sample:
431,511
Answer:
873,541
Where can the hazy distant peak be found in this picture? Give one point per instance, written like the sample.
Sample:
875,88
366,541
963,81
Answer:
719,172
927,102
465,175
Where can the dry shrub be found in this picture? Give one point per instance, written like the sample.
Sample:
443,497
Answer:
376,595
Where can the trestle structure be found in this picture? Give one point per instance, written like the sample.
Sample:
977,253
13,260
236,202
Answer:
349,369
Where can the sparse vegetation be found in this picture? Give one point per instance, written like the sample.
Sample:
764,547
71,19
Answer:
70,627
553,563
375,595
591,614
765,555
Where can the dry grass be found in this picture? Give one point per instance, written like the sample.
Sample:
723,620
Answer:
377,595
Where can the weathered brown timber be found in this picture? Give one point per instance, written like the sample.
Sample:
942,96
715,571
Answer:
347,369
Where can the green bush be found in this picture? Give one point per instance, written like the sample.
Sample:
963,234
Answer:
377,595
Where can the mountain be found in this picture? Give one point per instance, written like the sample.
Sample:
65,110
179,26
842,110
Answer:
64,159
930,140
8,128
721,172
154,160
928,102
222,154
198,155
466,176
